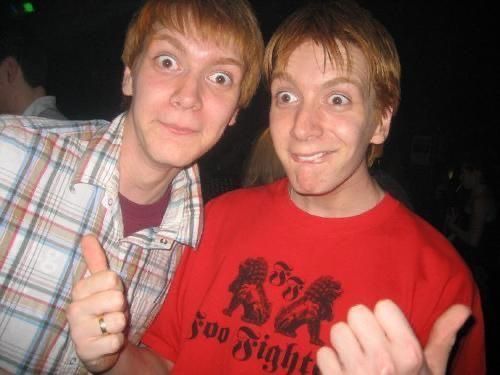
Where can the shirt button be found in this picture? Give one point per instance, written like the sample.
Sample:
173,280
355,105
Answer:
72,361
108,201
164,241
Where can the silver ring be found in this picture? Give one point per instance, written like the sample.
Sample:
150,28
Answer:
102,326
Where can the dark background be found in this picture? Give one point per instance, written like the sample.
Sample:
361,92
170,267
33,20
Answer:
450,90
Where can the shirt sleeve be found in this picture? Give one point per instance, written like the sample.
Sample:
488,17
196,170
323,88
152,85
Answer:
163,336
468,356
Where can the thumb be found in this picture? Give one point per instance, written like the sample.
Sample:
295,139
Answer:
93,254
443,336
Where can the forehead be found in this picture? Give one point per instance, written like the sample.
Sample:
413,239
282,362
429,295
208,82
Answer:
190,33
310,59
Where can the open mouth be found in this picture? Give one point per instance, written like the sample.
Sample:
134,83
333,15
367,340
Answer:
311,158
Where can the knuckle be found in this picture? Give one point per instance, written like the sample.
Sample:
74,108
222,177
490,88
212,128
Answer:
116,281
121,321
111,279
340,326
356,311
384,363
388,369
115,342
76,291
82,351
73,311
339,329
414,356
118,300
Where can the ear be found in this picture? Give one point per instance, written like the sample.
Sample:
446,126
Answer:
234,117
127,82
382,129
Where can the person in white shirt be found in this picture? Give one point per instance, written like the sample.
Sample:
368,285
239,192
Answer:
23,74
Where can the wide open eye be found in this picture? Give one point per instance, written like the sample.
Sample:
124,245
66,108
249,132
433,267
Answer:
285,97
167,62
220,78
338,99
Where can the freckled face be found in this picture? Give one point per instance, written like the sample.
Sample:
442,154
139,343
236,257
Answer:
321,121
184,92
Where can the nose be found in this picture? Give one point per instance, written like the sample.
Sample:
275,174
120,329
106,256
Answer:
306,125
187,93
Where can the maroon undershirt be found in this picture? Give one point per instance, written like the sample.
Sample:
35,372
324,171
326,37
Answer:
140,216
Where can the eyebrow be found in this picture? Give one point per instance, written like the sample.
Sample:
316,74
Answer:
331,82
229,61
282,75
225,60
170,39
340,80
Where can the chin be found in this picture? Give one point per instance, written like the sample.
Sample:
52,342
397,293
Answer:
307,189
306,185
177,157
315,187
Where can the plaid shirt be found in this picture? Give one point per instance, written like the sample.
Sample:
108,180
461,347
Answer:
58,181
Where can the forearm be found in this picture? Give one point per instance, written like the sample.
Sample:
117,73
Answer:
140,360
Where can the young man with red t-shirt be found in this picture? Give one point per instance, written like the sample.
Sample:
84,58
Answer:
279,264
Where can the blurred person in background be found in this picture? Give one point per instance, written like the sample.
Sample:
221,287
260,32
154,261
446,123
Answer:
263,166
472,226
23,76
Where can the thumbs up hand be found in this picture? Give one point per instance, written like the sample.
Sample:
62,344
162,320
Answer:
94,255
97,315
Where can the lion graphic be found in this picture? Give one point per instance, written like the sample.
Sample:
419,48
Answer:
248,292
311,309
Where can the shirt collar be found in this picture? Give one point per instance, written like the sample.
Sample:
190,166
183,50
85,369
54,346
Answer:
99,162
39,105
184,215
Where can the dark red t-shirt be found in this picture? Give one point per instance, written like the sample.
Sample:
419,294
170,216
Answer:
140,216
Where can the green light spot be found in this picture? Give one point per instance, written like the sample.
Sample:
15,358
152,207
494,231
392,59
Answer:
28,7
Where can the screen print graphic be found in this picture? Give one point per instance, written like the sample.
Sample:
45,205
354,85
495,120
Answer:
295,313
248,291
311,308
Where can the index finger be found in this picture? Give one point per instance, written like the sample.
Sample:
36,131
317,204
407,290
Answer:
393,321
405,348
